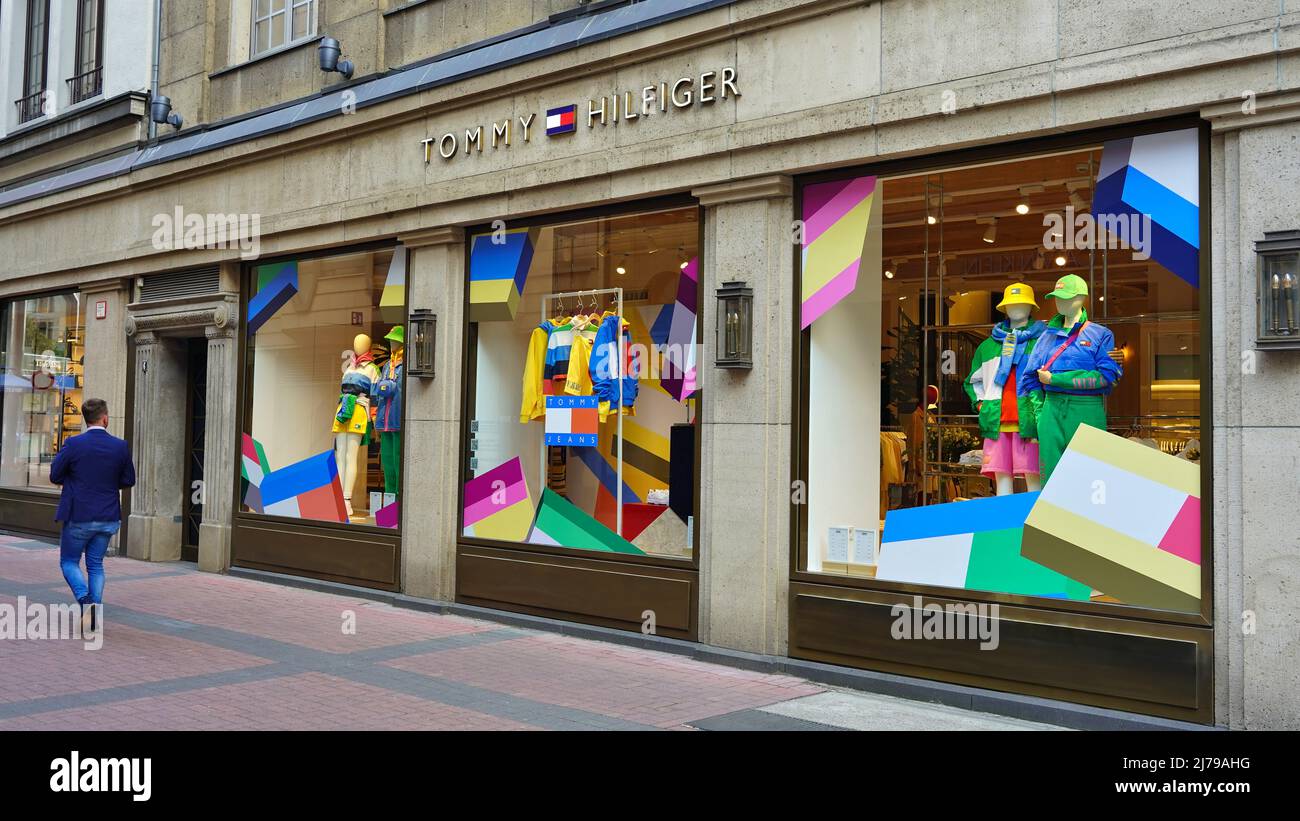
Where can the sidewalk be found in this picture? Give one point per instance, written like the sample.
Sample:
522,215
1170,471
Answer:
185,650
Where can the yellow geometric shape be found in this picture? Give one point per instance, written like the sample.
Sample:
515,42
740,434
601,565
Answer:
492,300
510,524
1149,463
836,248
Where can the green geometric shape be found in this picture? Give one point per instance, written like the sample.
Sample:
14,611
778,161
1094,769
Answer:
996,565
561,523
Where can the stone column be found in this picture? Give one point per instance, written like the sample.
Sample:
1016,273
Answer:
220,445
154,533
435,276
106,349
745,427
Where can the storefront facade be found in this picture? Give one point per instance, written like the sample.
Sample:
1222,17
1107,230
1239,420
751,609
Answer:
584,206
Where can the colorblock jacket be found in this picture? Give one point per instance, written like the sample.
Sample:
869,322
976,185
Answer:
388,397
986,392
1083,369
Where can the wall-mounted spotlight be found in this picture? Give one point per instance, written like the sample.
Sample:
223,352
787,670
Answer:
329,52
990,233
160,112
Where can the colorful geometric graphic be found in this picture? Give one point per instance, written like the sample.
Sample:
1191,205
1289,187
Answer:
674,331
561,524
392,301
277,284
973,545
572,421
388,515
1123,518
253,468
836,216
1156,176
498,270
562,120
497,504
309,489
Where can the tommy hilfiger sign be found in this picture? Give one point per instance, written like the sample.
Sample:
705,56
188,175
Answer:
659,98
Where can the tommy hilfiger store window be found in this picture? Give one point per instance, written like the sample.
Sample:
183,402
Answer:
1001,399
580,440
321,437
43,354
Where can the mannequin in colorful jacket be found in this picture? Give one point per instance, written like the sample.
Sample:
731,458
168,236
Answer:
1073,367
388,410
1008,415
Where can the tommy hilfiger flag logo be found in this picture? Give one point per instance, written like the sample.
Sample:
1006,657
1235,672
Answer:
562,120
571,421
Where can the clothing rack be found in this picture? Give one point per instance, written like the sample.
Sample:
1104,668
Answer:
547,301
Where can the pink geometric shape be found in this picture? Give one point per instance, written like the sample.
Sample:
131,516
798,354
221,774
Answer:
386,516
822,216
840,286
1183,538
485,484
494,503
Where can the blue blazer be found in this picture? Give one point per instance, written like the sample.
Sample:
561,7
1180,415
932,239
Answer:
92,467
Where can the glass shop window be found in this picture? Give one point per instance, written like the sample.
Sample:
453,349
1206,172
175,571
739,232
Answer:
1017,351
583,398
323,431
44,361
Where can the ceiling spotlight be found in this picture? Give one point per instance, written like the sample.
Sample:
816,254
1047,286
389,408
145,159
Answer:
991,233
684,264
1079,203
1060,261
1022,208
903,297
1039,260
889,274
621,270
931,219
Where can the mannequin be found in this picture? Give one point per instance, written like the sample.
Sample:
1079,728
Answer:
1073,368
352,417
1007,413
388,411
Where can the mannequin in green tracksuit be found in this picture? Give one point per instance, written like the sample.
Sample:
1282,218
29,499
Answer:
1075,370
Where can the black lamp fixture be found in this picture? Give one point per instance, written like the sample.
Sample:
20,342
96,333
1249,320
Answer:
1278,290
735,326
160,112
423,327
329,52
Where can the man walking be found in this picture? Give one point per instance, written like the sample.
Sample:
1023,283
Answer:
92,467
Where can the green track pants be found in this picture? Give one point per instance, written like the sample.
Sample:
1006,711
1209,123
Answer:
1060,416
390,458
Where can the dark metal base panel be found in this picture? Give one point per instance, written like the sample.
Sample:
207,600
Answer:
366,559
591,591
1157,669
29,512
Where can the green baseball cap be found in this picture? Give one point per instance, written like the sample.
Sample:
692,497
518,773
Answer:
397,334
1068,287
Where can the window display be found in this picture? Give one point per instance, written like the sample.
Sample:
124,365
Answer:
582,404
1035,445
323,437
44,359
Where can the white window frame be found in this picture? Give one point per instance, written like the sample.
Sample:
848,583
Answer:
290,36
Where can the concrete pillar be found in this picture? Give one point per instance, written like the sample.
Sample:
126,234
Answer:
157,446
106,349
220,449
435,277
745,427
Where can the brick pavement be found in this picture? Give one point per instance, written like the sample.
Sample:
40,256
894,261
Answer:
190,650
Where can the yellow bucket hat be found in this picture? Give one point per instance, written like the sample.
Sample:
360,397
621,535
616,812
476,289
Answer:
1017,294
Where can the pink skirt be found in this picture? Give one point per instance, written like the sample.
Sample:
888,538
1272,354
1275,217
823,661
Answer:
1010,454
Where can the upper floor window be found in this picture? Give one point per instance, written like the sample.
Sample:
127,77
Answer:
31,104
88,72
278,23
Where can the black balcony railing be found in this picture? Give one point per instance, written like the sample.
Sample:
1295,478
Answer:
30,107
87,85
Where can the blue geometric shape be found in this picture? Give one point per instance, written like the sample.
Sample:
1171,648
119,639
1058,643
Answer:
507,259
605,474
663,324
300,477
954,518
272,296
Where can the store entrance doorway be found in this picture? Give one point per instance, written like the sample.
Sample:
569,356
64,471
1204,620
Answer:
196,393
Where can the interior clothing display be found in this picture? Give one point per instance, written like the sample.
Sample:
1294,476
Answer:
995,386
605,375
1009,453
575,356
893,445
390,458
1079,359
534,401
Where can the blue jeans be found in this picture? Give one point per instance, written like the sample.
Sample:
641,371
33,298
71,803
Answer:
90,538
